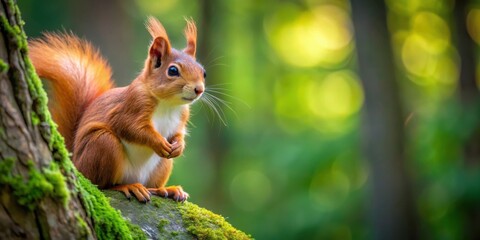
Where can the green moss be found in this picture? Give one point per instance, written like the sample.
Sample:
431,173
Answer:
2,132
82,225
6,168
55,177
206,225
13,32
35,119
108,222
172,220
29,193
37,185
136,231
3,66
161,224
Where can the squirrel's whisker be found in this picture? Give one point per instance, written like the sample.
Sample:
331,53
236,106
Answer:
213,107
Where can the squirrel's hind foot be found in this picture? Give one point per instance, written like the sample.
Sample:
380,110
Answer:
174,192
139,191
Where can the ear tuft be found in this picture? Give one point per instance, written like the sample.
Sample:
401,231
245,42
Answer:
161,45
155,28
191,36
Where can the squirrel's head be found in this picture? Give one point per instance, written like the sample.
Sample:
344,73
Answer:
171,74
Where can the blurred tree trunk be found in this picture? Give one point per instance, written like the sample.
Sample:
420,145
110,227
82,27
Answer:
215,136
28,209
469,96
107,24
391,205
468,90
467,86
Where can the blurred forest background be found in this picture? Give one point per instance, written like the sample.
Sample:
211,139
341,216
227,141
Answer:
289,163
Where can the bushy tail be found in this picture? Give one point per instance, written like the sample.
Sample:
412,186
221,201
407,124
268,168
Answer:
78,74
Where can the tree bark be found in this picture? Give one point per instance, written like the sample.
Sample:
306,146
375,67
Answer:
392,206
34,202
469,97
467,90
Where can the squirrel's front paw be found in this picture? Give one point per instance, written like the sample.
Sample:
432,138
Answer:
164,149
177,148
174,192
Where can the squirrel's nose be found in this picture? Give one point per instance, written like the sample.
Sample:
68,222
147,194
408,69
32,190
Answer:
199,89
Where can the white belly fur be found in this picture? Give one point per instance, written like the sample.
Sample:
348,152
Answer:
140,160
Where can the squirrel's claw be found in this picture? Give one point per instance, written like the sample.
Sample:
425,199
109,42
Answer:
139,191
174,192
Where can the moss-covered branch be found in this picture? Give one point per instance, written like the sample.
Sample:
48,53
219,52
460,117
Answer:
166,219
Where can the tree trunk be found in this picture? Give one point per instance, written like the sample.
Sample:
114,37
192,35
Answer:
215,136
469,96
468,90
392,208
109,26
35,197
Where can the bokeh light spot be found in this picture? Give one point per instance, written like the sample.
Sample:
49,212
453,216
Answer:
426,51
433,29
356,171
337,96
321,36
403,6
434,202
446,72
473,24
250,190
328,189
416,58
428,69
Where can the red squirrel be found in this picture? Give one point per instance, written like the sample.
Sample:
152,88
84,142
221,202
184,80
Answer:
122,138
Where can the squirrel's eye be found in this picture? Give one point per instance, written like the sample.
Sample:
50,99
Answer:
204,74
173,71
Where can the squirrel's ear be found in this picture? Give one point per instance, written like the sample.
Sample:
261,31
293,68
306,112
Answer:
161,45
160,48
191,35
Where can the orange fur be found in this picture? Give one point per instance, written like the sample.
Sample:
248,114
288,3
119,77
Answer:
78,73
191,35
102,124
155,28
